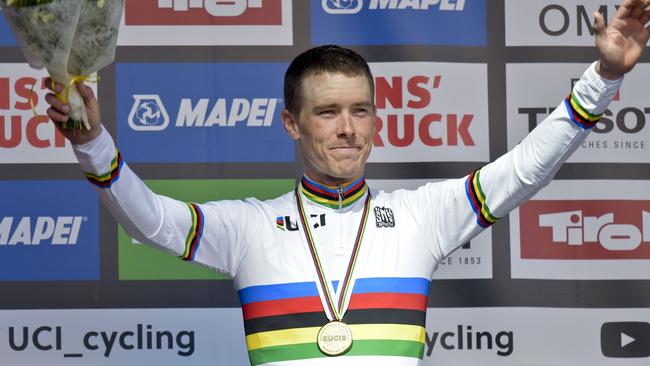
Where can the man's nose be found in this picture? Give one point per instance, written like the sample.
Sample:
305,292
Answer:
345,126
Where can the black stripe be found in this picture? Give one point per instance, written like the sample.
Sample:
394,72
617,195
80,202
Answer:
317,319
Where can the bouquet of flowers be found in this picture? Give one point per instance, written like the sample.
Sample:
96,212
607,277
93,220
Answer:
72,39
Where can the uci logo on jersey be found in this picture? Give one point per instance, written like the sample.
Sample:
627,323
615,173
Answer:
148,113
342,6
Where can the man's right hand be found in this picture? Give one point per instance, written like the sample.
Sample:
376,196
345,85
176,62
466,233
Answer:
58,113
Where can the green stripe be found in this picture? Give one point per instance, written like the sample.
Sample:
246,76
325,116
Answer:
582,110
480,190
359,348
330,205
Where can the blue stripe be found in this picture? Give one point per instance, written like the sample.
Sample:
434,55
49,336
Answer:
332,191
414,285
573,118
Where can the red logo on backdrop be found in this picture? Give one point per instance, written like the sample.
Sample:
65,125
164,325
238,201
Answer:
19,116
203,12
402,127
589,229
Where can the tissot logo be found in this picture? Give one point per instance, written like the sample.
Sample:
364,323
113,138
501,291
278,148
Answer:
585,229
625,339
623,133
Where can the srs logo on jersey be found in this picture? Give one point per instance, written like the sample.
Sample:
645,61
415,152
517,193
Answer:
436,22
384,217
148,114
26,137
44,235
202,113
588,229
421,117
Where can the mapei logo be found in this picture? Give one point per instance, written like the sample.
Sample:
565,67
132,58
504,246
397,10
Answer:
589,229
148,112
355,6
60,230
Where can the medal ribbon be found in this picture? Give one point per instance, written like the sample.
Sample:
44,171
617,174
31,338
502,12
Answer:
335,311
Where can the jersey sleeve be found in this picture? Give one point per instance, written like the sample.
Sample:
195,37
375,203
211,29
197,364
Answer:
457,210
211,234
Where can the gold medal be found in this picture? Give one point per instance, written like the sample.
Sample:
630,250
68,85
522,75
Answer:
334,338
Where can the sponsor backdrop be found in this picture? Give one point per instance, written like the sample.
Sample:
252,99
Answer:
193,100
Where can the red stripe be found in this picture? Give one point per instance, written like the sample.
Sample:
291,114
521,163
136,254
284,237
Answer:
282,307
316,189
388,300
308,304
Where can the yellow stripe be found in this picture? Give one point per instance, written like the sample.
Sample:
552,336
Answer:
106,176
316,198
582,112
481,198
355,196
192,232
285,337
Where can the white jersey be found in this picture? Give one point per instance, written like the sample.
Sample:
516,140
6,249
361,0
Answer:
263,247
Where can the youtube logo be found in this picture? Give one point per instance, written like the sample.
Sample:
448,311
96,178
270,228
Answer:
625,339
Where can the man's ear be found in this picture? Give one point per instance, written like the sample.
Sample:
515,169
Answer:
290,124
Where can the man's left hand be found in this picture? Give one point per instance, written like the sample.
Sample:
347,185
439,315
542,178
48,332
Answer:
621,43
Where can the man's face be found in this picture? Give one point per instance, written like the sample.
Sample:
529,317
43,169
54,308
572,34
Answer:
335,126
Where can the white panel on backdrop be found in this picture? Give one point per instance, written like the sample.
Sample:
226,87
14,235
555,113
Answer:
536,336
206,23
471,261
622,136
583,229
27,136
430,111
127,337
554,22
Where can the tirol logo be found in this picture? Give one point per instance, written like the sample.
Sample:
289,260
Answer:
26,134
203,12
46,236
440,22
421,118
148,113
204,119
585,229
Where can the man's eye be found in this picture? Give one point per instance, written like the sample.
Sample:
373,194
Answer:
326,113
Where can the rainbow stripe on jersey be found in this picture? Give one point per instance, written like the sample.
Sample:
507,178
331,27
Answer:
386,316
329,195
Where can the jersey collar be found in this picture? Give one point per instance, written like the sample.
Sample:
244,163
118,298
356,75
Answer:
339,196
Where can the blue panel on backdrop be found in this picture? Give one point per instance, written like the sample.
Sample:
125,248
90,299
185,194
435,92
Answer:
6,35
49,230
410,22
201,112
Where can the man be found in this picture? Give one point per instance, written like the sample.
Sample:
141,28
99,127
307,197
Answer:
353,292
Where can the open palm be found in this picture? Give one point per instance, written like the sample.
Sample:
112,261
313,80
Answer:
622,42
